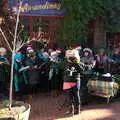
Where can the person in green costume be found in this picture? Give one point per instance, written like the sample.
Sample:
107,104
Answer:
20,77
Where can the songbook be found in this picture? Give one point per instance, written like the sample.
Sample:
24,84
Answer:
24,68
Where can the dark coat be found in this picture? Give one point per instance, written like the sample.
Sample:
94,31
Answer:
2,73
33,73
3,69
72,72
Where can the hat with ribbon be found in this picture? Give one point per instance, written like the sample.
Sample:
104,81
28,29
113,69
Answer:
58,50
78,47
54,53
30,49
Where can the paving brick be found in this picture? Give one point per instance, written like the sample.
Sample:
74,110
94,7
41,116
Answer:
45,107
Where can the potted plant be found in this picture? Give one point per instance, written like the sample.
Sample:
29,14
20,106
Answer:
14,110
117,80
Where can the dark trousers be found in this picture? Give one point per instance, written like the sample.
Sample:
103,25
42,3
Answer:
34,88
84,90
44,85
1,87
73,95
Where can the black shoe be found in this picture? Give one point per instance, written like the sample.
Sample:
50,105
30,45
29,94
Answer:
77,110
84,104
70,111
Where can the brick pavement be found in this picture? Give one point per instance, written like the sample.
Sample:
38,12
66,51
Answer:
45,107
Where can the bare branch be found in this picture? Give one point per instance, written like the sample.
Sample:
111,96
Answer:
19,33
13,54
16,27
18,44
10,33
7,42
25,43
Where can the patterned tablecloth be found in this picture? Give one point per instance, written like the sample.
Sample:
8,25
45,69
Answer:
102,88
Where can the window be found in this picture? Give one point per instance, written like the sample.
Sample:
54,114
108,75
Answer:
40,25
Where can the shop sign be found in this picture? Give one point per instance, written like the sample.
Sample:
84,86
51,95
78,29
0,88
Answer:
37,7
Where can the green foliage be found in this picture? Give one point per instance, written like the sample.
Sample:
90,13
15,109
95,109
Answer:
117,79
77,15
79,12
112,18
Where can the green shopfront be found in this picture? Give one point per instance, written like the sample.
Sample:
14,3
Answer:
41,18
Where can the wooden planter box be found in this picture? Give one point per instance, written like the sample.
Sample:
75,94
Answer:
18,116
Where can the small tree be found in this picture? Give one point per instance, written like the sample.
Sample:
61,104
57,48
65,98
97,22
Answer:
17,44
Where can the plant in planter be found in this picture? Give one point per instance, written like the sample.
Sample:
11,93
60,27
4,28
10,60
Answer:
117,79
15,110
